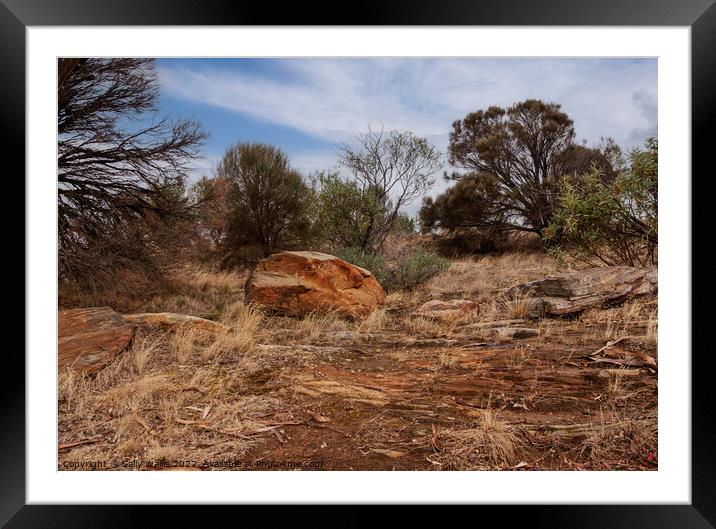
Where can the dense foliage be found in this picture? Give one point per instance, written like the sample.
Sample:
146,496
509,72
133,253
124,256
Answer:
515,158
614,221
349,215
389,171
269,204
407,273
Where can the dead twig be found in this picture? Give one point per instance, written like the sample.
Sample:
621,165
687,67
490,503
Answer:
92,440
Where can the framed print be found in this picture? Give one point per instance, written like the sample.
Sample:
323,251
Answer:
410,260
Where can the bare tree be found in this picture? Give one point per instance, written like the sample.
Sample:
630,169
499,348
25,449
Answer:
115,162
394,168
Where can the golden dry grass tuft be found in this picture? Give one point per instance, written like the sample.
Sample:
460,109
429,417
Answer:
142,351
376,321
184,342
140,393
244,316
490,443
208,281
73,390
317,326
422,326
518,307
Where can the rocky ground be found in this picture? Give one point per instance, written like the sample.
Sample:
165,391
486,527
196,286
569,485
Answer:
486,388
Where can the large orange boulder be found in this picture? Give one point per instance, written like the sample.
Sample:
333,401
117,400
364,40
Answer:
298,283
91,338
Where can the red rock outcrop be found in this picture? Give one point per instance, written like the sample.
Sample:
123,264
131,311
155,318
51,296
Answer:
298,283
90,338
571,292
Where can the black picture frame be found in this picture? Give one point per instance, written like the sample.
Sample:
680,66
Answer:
699,15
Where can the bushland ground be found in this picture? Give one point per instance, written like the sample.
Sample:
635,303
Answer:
393,392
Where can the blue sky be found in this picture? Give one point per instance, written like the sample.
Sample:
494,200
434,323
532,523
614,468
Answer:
307,106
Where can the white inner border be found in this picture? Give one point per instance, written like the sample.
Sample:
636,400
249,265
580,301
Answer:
671,483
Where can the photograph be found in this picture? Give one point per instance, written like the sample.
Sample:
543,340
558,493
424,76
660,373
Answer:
357,263
408,256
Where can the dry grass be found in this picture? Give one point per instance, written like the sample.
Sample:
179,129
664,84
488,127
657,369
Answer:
519,358
620,388
636,316
547,328
73,390
244,322
211,281
167,452
245,316
518,307
318,325
652,331
190,289
142,350
239,342
376,321
184,341
491,443
153,409
402,298
489,308
138,394
422,326
469,276
627,442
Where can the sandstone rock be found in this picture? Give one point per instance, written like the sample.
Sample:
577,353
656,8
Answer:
91,338
172,318
298,283
575,291
445,310
494,324
514,333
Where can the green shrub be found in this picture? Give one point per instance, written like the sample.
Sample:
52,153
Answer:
407,273
414,270
372,262
610,220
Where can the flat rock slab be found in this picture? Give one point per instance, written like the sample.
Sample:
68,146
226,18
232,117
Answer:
572,292
299,283
445,310
514,333
173,318
90,338
494,324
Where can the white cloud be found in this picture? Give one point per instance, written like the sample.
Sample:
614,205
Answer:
333,99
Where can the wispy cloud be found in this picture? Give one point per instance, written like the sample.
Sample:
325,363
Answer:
333,99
